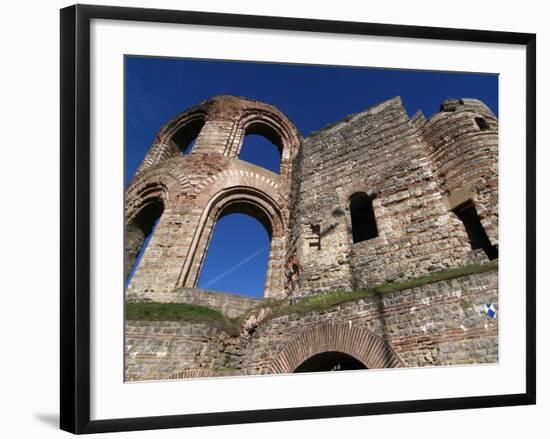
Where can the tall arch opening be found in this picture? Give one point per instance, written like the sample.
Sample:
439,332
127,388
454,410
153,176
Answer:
237,256
138,232
262,146
255,202
331,361
185,137
363,220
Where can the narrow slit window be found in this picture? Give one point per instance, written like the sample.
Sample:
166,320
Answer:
476,233
363,221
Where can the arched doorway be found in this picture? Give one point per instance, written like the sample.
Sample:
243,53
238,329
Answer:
330,362
343,338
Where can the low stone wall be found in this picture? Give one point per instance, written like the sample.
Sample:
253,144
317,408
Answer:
230,305
443,323
156,350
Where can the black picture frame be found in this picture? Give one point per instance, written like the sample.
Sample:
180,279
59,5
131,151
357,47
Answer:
75,218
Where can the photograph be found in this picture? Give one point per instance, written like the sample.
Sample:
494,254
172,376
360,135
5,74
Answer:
288,218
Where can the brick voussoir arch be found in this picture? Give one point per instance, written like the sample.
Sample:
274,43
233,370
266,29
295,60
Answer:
148,188
163,147
272,119
191,373
358,342
263,205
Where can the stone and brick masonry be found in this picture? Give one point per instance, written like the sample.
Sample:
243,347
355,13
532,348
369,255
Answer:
432,189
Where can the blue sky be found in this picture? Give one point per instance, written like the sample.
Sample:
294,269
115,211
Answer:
156,89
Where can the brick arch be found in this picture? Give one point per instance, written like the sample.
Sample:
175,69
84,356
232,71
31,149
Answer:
245,175
270,123
223,122
355,341
358,184
145,204
191,373
154,184
149,197
238,199
273,125
164,146
168,130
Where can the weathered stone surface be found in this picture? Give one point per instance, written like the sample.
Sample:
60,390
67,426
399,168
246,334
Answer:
230,305
196,189
411,168
416,173
438,324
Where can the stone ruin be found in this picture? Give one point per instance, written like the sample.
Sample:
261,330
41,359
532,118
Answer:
373,199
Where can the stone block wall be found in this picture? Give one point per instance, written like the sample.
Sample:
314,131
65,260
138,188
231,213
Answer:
196,189
462,142
442,323
156,350
382,153
415,171
230,305
438,324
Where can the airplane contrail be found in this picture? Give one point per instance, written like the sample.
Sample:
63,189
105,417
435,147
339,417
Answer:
235,267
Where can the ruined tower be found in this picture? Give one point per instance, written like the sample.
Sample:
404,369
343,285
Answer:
377,198
188,194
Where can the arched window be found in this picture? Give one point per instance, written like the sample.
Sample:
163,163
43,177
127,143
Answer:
262,146
477,236
237,257
137,234
363,221
184,138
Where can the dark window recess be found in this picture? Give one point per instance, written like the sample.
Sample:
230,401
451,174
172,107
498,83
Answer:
482,124
363,222
476,233
185,137
330,361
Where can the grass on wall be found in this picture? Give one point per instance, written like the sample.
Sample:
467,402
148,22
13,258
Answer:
154,311
178,312
324,301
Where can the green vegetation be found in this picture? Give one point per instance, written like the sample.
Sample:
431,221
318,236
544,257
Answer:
176,312
322,302
154,311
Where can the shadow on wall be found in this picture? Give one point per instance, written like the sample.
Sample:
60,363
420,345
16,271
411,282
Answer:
379,301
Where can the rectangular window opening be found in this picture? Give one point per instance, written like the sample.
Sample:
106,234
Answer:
477,236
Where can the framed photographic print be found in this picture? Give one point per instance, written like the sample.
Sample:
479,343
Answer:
268,218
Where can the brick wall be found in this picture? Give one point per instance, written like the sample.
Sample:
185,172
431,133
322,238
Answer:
443,323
